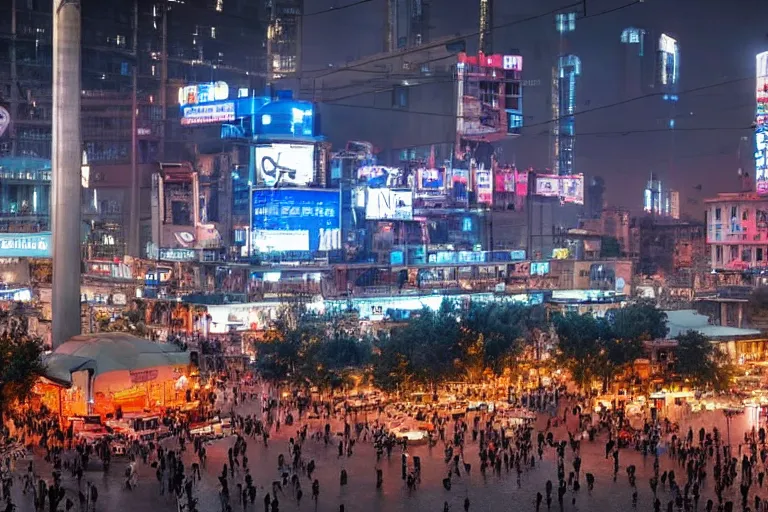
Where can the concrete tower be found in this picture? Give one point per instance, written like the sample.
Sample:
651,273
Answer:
66,162
485,42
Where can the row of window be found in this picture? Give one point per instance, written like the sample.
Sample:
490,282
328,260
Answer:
736,252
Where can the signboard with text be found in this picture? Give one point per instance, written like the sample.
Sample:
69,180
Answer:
25,245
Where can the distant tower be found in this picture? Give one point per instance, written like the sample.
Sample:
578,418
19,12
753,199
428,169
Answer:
284,38
485,43
636,72
564,78
668,84
407,24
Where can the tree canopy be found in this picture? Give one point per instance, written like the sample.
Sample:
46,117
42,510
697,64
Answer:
20,359
700,363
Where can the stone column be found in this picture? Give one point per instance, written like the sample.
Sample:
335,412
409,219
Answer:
66,164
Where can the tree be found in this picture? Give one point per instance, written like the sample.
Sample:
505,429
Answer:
423,352
699,362
579,345
20,360
640,321
491,335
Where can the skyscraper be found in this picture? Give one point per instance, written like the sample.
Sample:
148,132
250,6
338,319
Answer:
407,24
564,83
284,38
636,63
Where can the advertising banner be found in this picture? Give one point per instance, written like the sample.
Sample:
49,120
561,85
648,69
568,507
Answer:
569,188
25,245
208,114
286,164
572,188
295,220
548,185
460,185
484,186
432,179
761,124
504,180
388,204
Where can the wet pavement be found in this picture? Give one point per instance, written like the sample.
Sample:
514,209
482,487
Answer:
488,492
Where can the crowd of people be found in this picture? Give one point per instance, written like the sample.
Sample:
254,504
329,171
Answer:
693,469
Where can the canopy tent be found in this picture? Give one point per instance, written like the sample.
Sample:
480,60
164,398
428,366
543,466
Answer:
110,352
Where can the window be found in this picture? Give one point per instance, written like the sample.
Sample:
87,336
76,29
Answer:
734,253
718,254
717,214
213,32
746,255
745,215
734,212
759,254
400,97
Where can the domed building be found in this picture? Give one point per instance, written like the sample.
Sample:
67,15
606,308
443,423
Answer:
97,373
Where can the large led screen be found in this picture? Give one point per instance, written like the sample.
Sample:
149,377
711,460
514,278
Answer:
388,204
286,164
295,220
547,185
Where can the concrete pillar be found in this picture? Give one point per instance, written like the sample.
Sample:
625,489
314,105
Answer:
67,152
740,312
724,314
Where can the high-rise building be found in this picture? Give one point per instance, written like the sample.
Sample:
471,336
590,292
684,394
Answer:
595,197
485,41
167,43
761,124
660,201
564,82
284,38
636,63
407,24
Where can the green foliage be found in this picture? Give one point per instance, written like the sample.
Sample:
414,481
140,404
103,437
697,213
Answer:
436,346
700,363
602,347
20,360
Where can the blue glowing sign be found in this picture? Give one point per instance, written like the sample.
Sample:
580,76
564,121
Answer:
25,245
287,220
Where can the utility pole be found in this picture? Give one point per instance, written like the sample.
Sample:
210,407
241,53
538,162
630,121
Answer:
133,221
66,162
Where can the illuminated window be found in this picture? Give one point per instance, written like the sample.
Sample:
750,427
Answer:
219,5
213,32
120,41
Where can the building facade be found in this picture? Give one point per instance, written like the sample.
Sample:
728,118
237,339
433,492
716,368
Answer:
737,231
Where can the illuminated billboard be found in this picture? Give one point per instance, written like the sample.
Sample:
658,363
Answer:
285,164
569,188
548,185
389,204
761,124
207,114
378,176
460,185
484,186
198,94
287,220
25,245
572,188
432,179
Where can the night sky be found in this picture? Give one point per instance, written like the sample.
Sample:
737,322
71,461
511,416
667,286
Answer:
718,42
